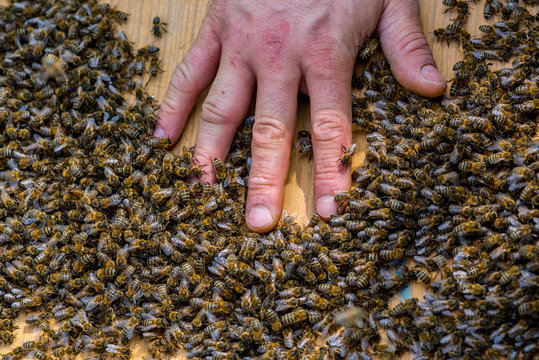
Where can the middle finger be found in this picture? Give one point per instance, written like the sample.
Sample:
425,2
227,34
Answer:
223,110
275,114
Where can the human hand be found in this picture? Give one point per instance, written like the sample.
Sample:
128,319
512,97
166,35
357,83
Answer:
281,47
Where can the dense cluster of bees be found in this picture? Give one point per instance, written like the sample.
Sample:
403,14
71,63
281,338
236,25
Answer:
106,237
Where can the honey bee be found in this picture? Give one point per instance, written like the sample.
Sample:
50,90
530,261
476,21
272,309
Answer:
346,157
306,274
54,65
528,308
328,264
399,206
248,249
368,49
390,190
528,190
333,290
82,319
158,26
422,176
304,143
294,317
422,276
154,66
189,272
401,308
220,169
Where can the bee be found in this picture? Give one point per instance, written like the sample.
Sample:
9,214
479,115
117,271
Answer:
272,317
220,169
256,328
401,308
422,276
509,275
451,4
316,301
469,166
368,49
528,190
189,272
154,66
53,64
399,206
82,319
306,274
278,269
248,249
327,263
455,88
390,190
158,26
304,143
119,15
64,313
294,317
528,308
332,290
346,157
59,352
112,178
140,65
505,201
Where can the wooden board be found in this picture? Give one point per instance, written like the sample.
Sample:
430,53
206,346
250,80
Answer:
184,18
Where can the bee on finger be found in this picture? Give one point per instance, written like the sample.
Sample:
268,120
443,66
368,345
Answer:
346,158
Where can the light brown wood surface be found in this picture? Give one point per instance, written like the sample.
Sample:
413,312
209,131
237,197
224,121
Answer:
184,18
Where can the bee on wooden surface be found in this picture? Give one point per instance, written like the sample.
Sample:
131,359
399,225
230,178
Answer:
158,26
422,276
154,66
304,143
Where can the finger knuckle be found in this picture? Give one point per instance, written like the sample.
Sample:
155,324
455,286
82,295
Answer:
413,43
261,183
214,112
325,172
325,58
169,105
269,132
182,78
328,126
321,58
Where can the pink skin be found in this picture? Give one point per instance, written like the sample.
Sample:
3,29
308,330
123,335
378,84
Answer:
282,47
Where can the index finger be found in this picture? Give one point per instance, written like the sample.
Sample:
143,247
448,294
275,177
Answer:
191,76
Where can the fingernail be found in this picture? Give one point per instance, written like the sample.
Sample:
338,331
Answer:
259,216
430,73
326,206
159,133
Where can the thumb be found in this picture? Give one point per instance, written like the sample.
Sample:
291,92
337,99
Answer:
407,50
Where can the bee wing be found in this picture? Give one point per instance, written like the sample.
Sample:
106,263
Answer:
113,348
386,274
211,317
90,302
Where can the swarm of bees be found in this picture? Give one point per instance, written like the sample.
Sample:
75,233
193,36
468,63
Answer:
106,237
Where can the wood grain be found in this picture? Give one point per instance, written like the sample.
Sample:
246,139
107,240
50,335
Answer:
184,18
